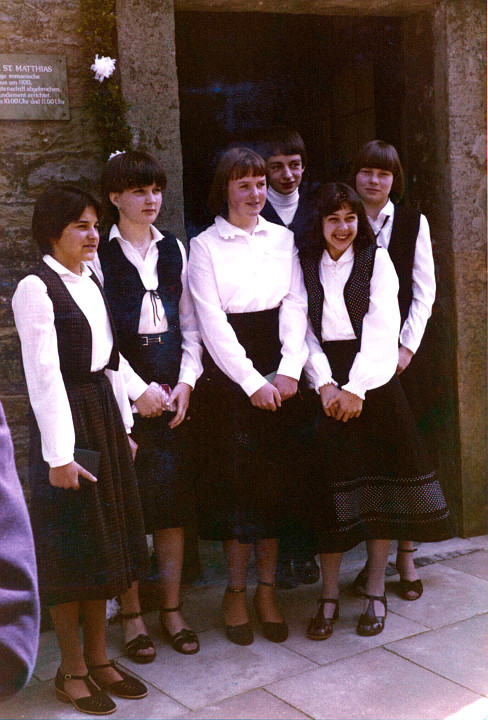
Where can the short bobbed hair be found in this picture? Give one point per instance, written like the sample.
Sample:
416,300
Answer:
126,170
58,206
234,164
382,155
331,198
282,140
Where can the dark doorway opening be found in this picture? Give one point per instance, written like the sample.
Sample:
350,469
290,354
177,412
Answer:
337,80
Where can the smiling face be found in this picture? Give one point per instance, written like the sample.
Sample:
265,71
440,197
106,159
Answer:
78,242
138,205
284,172
245,199
373,186
340,228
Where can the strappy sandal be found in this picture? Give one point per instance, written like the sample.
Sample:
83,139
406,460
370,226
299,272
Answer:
359,582
320,627
276,632
239,634
180,638
96,703
129,687
409,586
141,642
370,624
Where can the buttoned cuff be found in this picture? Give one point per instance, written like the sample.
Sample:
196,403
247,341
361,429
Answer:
290,369
253,383
187,376
136,387
408,341
60,461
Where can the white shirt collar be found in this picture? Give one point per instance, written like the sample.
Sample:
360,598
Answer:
387,211
62,270
228,231
347,256
115,233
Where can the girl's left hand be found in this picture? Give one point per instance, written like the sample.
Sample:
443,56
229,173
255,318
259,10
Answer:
180,396
133,447
404,357
286,386
348,406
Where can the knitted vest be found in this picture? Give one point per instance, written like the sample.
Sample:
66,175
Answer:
356,289
406,223
72,328
125,291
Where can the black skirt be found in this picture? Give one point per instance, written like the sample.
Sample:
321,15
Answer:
374,480
90,543
250,461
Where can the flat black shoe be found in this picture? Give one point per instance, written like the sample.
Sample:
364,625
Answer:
320,627
370,624
96,703
359,582
239,634
276,632
129,687
183,637
306,571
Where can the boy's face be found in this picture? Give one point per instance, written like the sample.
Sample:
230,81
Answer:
284,172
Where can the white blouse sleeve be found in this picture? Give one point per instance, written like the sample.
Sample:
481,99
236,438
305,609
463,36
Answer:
377,359
293,324
317,368
217,334
34,318
423,288
191,360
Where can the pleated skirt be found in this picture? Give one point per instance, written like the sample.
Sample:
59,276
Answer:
374,479
90,543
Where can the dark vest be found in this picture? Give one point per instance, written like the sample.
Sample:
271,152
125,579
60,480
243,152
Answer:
125,291
356,289
73,329
406,224
300,225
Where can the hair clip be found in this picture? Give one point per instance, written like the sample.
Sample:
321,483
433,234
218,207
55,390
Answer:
115,153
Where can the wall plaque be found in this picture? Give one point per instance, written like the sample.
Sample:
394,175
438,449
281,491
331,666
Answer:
33,87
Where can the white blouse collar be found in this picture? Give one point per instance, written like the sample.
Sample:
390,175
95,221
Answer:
115,233
387,211
346,257
62,270
228,231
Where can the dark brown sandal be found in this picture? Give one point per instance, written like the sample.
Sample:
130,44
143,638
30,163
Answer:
129,687
409,586
96,703
141,642
320,627
370,624
185,636
359,582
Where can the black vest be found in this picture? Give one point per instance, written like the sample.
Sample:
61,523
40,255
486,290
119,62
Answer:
73,329
303,218
406,224
125,291
356,289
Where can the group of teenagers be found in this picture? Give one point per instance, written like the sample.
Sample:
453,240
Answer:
255,384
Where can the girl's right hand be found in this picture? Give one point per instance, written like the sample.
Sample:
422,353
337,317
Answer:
66,476
266,398
348,406
329,395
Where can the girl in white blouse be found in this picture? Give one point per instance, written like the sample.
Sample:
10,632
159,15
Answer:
247,287
377,174
375,482
88,530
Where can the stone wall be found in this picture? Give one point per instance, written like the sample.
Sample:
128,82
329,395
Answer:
31,154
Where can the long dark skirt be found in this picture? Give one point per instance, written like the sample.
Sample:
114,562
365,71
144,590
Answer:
375,480
90,543
250,460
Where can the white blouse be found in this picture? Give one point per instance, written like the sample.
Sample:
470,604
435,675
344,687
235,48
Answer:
232,271
34,318
423,276
154,320
377,359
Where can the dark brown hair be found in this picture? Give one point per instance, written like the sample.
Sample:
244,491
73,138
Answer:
282,140
126,170
382,155
58,206
331,198
234,164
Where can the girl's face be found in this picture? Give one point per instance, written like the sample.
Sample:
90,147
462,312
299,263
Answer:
138,205
245,198
78,241
373,186
340,228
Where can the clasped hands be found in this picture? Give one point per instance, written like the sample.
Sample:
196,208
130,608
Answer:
340,404
152,402
271,395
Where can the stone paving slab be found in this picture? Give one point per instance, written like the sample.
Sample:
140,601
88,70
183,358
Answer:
458,652
254,705
377,685
474,564
449,596
220,670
